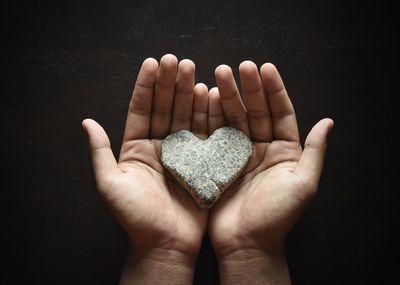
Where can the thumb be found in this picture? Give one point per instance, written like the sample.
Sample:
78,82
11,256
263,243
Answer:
103,159
312,158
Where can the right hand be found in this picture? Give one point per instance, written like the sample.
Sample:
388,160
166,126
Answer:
254,215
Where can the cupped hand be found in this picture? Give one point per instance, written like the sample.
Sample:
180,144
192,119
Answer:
154,211
257,211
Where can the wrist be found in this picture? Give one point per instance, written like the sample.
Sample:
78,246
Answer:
253,266
158,266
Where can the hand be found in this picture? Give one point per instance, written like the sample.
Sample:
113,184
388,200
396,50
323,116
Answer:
164,225
249,223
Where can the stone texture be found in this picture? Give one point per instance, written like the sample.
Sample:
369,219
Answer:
206,167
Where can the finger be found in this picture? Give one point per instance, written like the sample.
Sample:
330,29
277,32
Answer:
216,117
103,160
163,97
312,158
284,122
139,113
234,110
183,102
258,114
200,108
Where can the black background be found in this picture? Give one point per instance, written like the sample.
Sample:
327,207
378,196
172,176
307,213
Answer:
63,61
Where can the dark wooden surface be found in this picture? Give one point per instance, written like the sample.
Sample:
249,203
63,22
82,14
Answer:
63,61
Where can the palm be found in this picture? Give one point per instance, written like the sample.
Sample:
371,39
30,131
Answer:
265,201
149,205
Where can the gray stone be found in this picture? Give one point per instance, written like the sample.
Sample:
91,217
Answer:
206,167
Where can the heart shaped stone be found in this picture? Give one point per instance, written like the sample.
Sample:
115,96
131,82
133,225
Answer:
206,167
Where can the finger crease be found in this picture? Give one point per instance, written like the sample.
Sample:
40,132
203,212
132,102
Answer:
197,112
182,117
252,92
219,115
139,111
184,93
101,148
257,115
142,85
282,114
236,119
165,86
230,96
161,111
279,90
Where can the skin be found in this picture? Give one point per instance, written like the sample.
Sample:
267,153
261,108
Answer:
163,224
249,223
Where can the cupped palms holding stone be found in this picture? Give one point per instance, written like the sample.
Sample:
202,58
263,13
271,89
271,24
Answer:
251,219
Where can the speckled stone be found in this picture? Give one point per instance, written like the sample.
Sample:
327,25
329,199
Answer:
206,167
